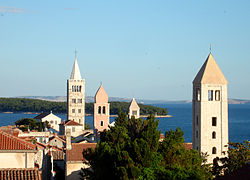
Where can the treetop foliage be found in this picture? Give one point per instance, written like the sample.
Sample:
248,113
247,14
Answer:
131,150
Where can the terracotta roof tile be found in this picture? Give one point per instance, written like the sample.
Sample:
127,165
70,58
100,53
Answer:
20,174
9,142
75,154
188,146
58,155
70,123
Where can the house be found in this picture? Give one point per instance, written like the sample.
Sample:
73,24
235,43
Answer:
75,128
56,141
74,160
17,158
53,120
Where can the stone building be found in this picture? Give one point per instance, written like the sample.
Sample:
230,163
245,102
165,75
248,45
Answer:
52,119
76,96
17,158
101,111
74,127
210,110
134,109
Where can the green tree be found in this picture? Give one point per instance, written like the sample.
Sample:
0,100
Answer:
131,150
26,124
238,155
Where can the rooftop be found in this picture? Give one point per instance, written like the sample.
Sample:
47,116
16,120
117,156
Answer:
9,142
75,154
20,174
70,123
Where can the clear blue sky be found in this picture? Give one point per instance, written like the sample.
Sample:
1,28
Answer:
150,49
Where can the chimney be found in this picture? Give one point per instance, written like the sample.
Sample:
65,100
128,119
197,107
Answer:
68,139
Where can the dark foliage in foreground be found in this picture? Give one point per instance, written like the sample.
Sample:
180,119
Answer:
131,150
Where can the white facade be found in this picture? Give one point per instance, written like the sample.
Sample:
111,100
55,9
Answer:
134,109
76,96
210,111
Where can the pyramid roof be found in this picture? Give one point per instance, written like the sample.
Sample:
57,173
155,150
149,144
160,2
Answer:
101,96
133,104
75,74
210,73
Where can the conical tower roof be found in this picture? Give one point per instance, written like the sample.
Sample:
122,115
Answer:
101,96
210,73
133,104
75,74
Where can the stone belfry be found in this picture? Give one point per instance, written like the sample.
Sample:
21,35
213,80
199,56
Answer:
210,110
134,109
101,111
76,96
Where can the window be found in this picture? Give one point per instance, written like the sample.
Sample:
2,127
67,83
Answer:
214,121
73,88
217,95
51,122
73,129
55,122
101,123
73,110
79,100
197,120
197,148
103,110
198,94
99,109
196,134
214,135
73,100
134,113
214,150
79,110
210,95
80,88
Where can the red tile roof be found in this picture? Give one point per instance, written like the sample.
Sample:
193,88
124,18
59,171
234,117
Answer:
70,123
20,174
57,137
75,154
9,142
188,146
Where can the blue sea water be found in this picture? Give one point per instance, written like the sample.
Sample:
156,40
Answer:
239,120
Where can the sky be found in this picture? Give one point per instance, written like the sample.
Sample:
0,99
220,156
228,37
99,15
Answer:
147,49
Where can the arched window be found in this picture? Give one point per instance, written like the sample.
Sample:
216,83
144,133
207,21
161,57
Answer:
80,88
210,95
214,150
101,123
197,120
103,110
196,134
214,135
198,94
217,95
99,109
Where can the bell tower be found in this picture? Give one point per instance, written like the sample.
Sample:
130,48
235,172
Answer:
210,111
101,110
76,96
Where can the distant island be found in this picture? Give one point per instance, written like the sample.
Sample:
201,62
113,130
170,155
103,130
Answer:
36,105
90,99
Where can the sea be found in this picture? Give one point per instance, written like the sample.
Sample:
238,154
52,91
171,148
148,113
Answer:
238,118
